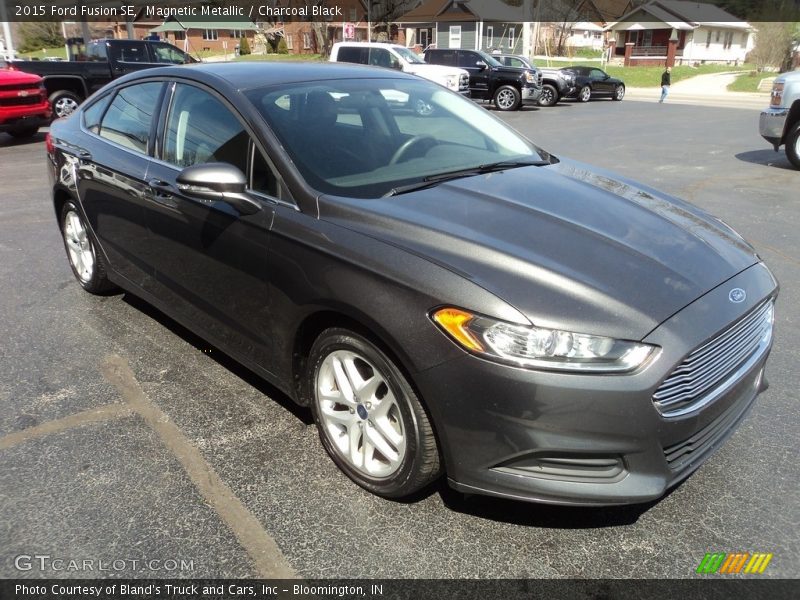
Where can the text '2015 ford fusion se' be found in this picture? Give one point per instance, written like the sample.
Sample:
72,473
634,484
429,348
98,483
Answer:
445,296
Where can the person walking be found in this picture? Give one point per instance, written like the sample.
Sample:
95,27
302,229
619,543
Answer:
666,80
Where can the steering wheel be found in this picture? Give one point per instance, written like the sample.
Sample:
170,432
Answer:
410,143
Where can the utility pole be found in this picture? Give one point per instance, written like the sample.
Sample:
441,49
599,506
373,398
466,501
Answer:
9,41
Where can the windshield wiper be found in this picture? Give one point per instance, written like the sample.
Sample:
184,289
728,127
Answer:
433,180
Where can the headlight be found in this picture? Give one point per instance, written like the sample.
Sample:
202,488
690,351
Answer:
540,348
452,81
530,77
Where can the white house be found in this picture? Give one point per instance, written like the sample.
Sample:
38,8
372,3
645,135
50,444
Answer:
678,32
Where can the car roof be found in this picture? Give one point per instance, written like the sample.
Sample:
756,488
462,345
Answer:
248,75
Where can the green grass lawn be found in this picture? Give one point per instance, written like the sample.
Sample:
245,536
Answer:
282,57
59,52
748,82
651,76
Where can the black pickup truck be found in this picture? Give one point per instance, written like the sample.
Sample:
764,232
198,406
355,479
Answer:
507,87
91,66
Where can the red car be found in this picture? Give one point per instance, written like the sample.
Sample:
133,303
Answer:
23,103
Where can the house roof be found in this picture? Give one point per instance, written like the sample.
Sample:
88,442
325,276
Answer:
611,10
468,10
678,14
177,25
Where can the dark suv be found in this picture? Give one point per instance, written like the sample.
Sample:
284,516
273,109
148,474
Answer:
507,87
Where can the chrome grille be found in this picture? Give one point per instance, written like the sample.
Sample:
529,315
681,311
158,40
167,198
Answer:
713,368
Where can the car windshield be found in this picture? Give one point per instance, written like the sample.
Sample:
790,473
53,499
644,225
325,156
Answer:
410,56
489,59
365,138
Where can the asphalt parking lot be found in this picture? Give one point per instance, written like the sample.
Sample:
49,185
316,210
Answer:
125,438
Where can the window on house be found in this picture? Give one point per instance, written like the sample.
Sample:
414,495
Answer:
511,36
237,33
708,39
648,38
489,36
210,34
353,15
306,40
718,33
180,36
455,36
290,42
728,39
744,39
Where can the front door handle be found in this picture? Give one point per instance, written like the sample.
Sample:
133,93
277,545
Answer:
161,188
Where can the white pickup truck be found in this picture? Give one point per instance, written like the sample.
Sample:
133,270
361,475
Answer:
394,56
780,123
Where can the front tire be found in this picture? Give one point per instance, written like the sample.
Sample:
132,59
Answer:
549,95
63,103
507,97
619,93
370,420
793,145
88,265
585,94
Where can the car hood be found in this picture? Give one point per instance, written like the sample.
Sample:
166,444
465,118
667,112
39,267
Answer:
9,77
428,70
567,245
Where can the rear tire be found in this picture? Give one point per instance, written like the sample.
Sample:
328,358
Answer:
63,103
88,265
507,97
370,420
793,145
549,95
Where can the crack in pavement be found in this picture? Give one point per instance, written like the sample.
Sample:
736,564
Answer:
267,558
94,415
259,545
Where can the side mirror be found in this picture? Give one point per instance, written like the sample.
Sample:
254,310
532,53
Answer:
481,65
217,182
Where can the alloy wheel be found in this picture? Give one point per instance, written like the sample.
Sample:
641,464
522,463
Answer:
79,247
506,99
64,106
360,415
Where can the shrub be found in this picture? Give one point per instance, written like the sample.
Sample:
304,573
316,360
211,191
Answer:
282,47
244,47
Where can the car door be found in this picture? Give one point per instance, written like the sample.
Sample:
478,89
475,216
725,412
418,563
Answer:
601,81
128,56
111,174
479,78
211,262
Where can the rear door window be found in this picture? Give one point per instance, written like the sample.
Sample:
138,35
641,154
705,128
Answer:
129,118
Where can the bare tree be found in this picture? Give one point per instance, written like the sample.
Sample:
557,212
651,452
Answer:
774,42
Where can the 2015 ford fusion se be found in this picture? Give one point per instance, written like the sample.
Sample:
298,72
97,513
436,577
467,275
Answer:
444,295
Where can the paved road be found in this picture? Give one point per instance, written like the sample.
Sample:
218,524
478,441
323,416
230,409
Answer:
124,437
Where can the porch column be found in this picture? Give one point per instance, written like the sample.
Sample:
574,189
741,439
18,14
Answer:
628,51
672,49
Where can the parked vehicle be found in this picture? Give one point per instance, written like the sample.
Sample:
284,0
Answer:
23,103
780,123
508,87
443,294
394,56
91,66
556,84
591,82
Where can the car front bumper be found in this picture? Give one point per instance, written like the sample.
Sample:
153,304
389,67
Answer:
772,124
531,94
590,439
15,118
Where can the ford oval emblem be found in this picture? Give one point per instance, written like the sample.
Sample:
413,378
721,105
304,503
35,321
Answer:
737,295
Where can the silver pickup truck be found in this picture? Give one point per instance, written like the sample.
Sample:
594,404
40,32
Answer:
780,123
